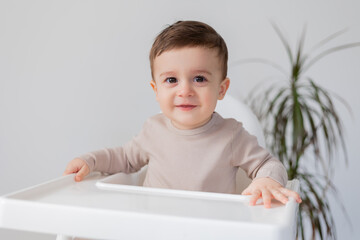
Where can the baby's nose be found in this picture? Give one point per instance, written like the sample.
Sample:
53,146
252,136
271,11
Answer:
185,89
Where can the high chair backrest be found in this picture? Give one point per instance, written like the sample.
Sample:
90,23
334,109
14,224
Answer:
230,107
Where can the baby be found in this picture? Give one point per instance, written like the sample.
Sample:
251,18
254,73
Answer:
189,146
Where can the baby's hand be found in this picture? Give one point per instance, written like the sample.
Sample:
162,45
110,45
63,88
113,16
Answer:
79,167
269,189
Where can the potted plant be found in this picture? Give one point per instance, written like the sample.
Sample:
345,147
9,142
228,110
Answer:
303,128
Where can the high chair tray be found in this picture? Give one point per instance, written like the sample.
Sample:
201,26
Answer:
117,182
63,206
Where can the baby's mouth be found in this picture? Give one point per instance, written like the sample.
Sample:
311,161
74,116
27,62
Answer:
185,107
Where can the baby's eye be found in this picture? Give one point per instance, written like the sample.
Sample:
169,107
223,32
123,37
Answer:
171,80
199,79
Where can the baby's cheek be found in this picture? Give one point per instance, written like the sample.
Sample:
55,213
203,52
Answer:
210,100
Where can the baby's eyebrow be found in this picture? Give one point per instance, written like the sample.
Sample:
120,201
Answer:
172,73
167,73
202,72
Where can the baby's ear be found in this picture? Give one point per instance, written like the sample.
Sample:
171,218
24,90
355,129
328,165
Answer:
224,86
153,85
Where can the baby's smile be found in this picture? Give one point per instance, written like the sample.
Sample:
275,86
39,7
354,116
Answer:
185,107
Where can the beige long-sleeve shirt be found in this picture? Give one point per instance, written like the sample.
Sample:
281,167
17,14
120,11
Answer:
202,159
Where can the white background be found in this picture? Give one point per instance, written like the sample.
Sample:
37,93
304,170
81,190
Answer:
74,77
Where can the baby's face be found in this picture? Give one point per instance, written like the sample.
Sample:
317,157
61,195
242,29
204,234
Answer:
187,83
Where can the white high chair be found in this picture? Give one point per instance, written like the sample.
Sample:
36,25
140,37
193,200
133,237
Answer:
127,211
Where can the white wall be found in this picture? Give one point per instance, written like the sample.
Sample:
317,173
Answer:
74,76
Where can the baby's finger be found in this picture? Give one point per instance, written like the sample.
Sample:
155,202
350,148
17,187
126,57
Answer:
255,196
279,196
68,171
266,195
82,173
290,193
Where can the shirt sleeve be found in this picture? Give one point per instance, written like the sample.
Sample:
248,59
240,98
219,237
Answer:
256,161
128,158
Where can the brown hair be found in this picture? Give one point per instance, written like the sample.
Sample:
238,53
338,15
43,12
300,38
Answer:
189,34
